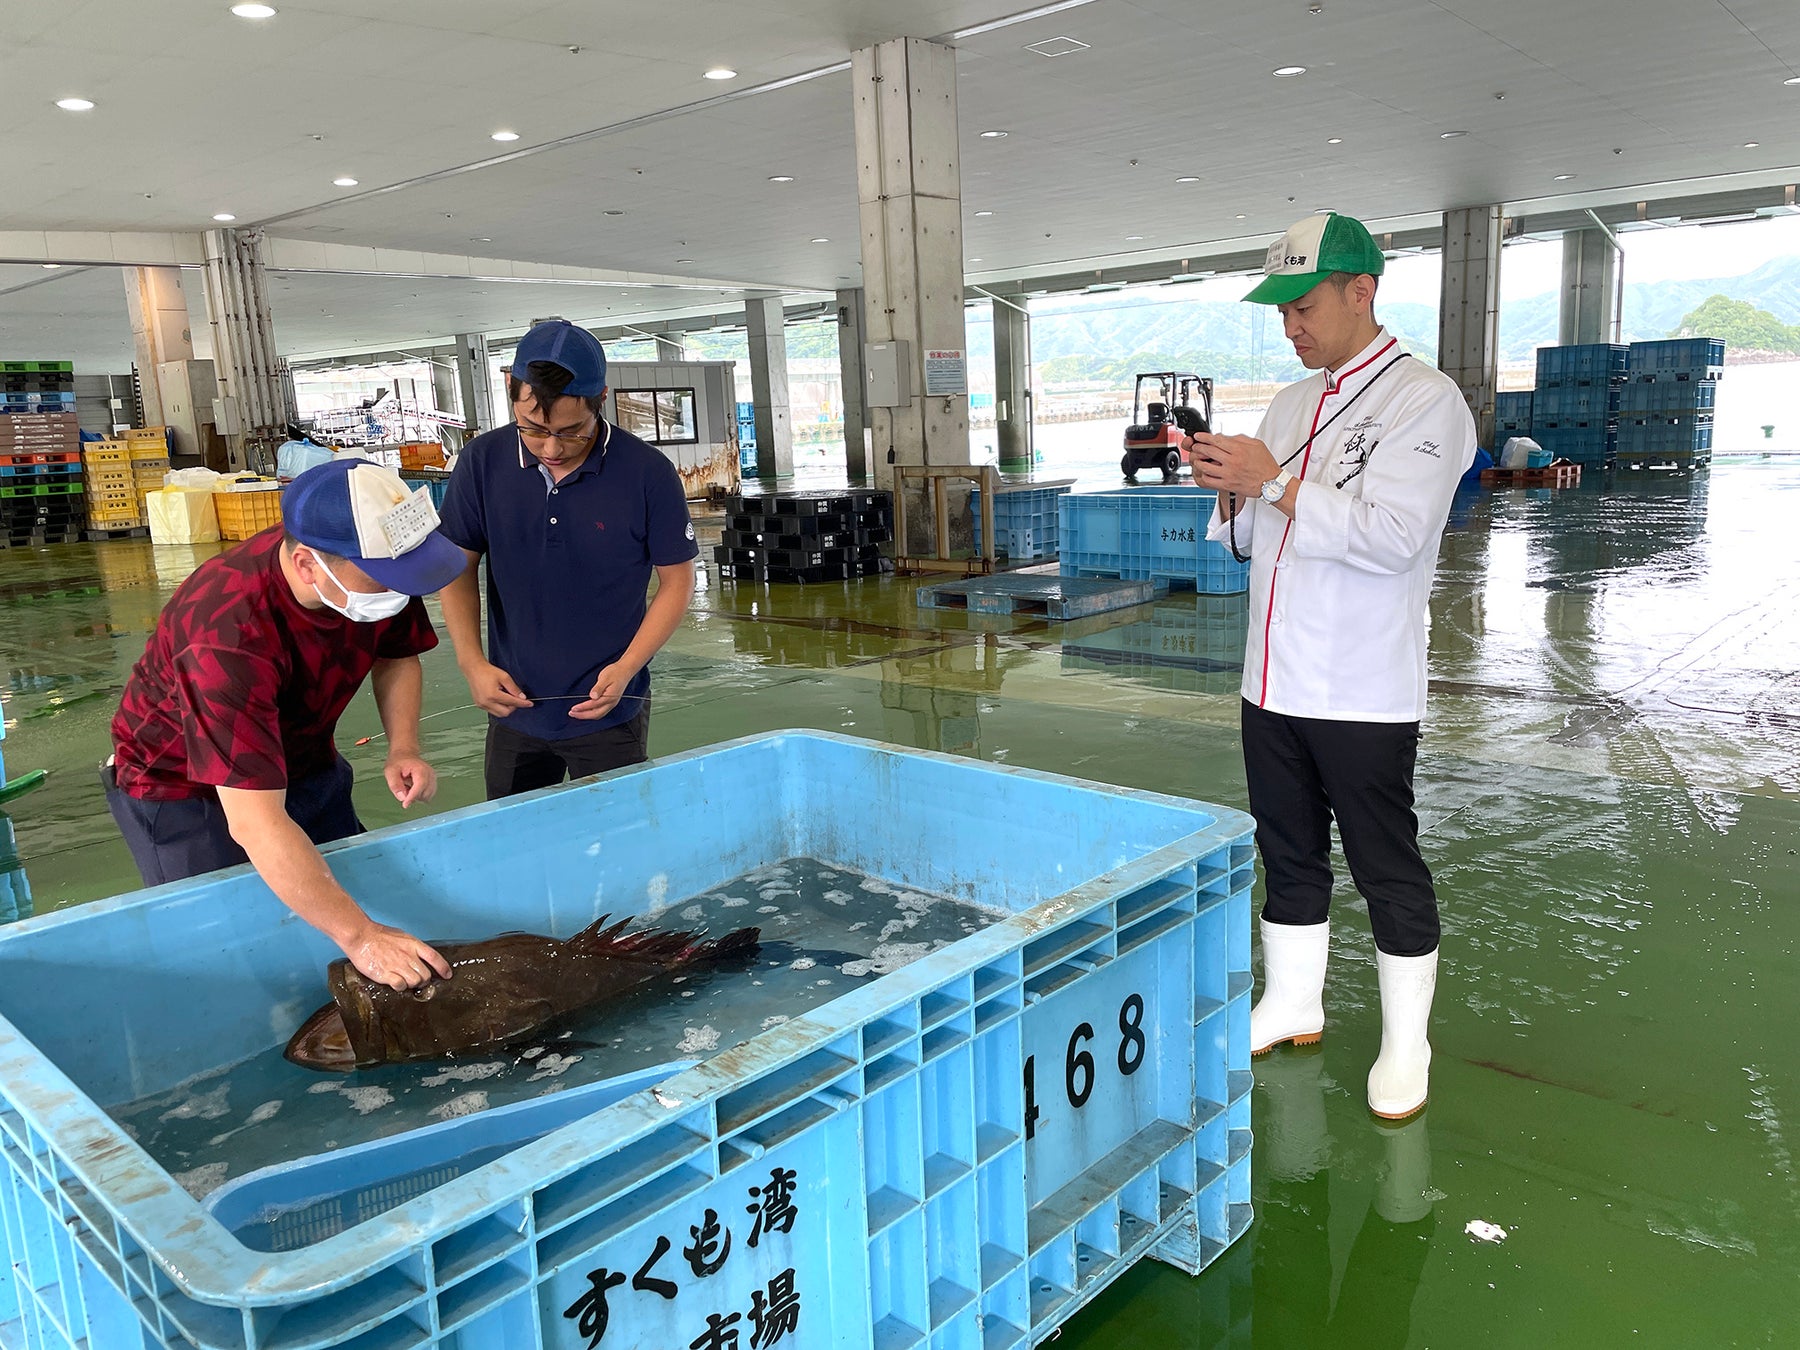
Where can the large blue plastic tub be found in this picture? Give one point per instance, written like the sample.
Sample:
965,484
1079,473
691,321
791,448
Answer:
957,1154
1148,534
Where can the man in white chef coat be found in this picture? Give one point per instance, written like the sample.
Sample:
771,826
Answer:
1339,501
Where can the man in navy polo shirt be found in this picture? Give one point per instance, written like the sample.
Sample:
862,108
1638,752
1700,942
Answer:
572,514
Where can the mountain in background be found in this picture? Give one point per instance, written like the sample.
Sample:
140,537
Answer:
1237,341
1229,340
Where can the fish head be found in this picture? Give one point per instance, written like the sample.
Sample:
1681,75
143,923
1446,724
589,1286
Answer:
323,1042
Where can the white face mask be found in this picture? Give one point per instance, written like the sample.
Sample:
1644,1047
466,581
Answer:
360,606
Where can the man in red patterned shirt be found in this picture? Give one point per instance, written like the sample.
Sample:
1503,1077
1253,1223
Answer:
222,746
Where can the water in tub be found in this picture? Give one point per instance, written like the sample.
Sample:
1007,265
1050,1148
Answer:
825,931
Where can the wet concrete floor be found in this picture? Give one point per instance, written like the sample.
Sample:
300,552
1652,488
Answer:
1610,794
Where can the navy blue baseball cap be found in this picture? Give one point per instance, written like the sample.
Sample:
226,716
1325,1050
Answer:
365,512
561,343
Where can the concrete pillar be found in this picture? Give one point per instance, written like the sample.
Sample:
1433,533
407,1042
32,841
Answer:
1012,382
256,394
909,185
1469,310
1590,288
474,383
159,330
669,348
444,396
766,322
851,325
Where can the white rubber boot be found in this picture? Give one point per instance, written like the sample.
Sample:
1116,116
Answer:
1292,1006
1399,1080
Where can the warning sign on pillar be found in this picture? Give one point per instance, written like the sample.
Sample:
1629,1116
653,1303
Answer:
946,372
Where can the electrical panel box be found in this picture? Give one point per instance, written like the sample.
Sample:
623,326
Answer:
889,370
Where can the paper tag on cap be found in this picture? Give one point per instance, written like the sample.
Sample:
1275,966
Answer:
410,523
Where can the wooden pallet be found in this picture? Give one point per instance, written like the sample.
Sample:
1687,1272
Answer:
1050,597
1554,476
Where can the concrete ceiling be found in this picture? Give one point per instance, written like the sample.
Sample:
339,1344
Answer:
402,95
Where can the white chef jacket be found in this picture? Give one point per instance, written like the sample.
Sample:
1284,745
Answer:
1338,595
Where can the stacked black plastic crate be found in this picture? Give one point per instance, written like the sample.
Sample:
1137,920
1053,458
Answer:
806,536
1575,407
1666,416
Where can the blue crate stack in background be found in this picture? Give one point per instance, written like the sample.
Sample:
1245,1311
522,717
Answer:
1575,407
1666,412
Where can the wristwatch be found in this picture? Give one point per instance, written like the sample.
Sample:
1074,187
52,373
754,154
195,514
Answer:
1276,488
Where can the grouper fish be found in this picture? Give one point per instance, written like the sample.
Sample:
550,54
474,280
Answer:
501,991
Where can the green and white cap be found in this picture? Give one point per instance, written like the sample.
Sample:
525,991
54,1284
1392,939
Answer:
1312,250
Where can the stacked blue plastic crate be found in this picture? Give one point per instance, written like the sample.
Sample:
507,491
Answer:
1512,417
1666,414
1025,521
746,421
1575,408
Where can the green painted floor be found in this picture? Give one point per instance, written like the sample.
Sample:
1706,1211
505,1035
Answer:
1611,799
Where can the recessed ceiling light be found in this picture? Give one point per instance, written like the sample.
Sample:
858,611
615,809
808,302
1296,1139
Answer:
1187,180
821,240
1133,238
1562,177
992,135
1450,135
1792,79
1282,72
51,267
505,136
721,73
224,215
613,213
971,260
1751,145
343,182
680,262
75,104
254,11
1335,140
1240,217
981,214
781,178
481,239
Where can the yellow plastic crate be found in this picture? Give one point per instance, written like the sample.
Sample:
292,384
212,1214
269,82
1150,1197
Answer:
243,514
114,499
106,452
114,520
109,480
149,450
144,466
156,435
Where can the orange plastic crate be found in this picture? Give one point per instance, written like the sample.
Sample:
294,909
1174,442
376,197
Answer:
243,514
422,455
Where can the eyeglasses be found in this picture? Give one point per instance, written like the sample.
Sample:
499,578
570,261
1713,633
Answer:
562,437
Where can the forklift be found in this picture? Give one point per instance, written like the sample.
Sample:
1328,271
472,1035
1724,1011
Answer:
1153,440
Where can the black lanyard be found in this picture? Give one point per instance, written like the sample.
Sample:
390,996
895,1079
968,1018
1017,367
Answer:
1231,519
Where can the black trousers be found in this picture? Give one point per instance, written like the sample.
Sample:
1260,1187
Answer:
518,763
1304,771
171,841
